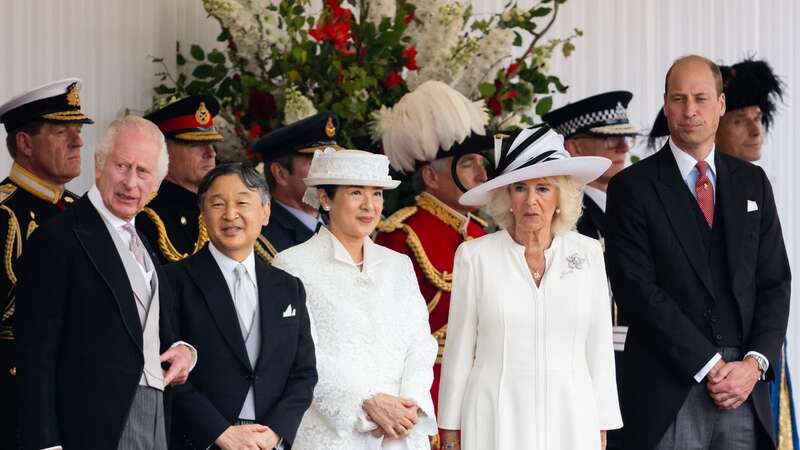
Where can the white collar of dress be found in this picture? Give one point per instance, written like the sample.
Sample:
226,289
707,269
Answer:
372,254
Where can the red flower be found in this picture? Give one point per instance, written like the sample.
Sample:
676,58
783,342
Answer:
337,12
512,69
392,80
407,19
510,94
255,130
410,55
262,104
494,105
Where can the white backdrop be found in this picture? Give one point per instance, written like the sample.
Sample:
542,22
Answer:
628,44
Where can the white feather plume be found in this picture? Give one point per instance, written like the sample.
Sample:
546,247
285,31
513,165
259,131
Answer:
431,117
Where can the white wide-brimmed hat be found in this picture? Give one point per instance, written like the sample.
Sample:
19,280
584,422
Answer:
533,153
347,168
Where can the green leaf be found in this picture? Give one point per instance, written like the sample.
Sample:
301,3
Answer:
180,60
216,57
487,89
224,35
163,90
517,39
543,105
197,52
541,11
203,71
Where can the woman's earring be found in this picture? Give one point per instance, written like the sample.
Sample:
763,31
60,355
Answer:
326,208
510,209
558,210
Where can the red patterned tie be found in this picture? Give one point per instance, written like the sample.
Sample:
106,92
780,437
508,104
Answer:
705,193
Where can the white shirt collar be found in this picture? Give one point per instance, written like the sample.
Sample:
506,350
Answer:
686,162
598,196
227,264
97,202
309,220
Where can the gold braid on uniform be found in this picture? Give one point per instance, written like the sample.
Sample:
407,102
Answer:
440,335
396,220
11,253
264,249
441,280
165,245
444,213
784,413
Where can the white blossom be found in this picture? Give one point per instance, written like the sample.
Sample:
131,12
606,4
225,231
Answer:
297,106
494,47
436,42
378,9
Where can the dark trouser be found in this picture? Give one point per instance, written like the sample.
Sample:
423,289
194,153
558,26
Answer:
145,429
699,425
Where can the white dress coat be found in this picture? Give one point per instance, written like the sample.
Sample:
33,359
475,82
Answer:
371,336
529,367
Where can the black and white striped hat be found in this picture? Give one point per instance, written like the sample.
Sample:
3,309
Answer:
531,153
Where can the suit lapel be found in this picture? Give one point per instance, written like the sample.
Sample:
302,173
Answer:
270,310
96,241
596,215
673,193
207,276
292,224
734,212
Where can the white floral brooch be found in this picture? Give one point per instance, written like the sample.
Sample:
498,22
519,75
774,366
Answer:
574,262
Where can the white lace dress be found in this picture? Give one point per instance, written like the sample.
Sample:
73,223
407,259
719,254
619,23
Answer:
371,335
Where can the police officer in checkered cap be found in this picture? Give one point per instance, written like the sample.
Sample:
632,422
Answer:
599,126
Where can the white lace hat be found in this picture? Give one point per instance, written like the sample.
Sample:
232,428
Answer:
533,153
347,168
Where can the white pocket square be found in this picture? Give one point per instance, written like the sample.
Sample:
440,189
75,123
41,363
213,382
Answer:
289,311
751,206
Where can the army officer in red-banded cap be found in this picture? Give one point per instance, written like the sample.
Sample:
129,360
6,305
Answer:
171,221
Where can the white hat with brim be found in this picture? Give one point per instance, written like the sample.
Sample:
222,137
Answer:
346,168
582,169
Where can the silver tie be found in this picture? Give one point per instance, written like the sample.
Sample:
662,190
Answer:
243,300
137,248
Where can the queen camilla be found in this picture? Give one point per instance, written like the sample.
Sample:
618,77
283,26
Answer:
529,361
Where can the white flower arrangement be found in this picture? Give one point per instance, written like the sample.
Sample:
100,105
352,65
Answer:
494,48
297,106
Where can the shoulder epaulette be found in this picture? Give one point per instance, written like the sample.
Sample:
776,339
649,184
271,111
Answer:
6,191
396,220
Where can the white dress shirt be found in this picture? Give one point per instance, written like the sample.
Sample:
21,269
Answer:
689,173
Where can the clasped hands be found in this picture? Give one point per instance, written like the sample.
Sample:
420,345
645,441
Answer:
395,416
730,383
248,437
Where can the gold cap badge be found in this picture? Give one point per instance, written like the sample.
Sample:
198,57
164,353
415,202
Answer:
202,115
72,95
330,128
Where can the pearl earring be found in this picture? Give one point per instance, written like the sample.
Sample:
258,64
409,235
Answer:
326,208
558,210
510,209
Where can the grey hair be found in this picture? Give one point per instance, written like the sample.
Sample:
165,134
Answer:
570,202
417,183
249,176
132,123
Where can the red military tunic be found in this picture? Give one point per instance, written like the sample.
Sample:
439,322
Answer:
429,233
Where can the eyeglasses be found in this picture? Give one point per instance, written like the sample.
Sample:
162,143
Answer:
611,143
